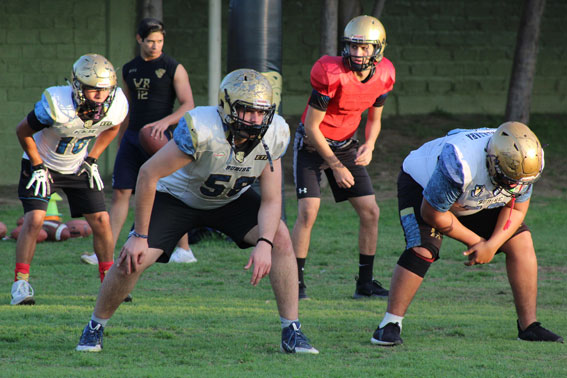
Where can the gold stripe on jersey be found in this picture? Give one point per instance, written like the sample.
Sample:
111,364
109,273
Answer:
49,99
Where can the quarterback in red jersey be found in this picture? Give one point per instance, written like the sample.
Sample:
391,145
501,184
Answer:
343,88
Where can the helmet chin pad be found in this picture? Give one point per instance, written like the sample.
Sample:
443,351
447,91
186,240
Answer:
92,110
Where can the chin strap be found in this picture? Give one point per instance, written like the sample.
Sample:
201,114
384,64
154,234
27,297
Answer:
268,154
509,221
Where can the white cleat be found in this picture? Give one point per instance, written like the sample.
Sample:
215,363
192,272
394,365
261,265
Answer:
22,293
181,255
89,258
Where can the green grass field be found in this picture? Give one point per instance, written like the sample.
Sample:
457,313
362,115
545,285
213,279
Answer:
205,319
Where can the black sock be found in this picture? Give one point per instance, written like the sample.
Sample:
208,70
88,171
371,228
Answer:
300,269
365,268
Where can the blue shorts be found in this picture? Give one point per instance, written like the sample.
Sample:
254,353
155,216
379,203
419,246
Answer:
130,157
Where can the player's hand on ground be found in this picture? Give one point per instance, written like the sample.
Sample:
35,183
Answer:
363,155
343,177
90,167
41,179
158,128
132,254
261,259
480,253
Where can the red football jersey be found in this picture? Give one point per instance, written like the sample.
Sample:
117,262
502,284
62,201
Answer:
349,97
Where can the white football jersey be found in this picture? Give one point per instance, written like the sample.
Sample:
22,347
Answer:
461,158
63,145
216,177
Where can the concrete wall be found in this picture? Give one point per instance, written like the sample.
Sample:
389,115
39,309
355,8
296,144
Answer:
450,55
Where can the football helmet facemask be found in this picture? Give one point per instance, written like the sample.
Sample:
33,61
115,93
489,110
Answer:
92,71
242,91
514,158
364,30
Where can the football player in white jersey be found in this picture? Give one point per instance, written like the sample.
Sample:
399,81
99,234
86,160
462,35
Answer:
55,137
473,186
202,178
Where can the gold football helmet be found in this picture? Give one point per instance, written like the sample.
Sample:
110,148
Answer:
245,90
364,29
515,157
96,72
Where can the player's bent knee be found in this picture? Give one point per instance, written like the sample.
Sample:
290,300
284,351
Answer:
282,240
415,262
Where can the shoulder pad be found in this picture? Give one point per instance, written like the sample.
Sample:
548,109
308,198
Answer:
325,74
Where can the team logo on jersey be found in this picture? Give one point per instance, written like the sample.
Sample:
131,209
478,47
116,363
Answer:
261,157
477,190
239,157
160,72
88,124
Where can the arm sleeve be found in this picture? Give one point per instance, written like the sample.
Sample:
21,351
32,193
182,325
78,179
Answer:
319,101
34,123
380,100
441,192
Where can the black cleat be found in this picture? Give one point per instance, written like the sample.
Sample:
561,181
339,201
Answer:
535,332
372,289
387,336
302,294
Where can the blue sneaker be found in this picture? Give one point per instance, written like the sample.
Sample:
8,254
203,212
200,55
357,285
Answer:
294,341
91,339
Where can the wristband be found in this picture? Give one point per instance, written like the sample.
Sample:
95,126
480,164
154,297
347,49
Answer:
38,167
135,234
91,160
266,240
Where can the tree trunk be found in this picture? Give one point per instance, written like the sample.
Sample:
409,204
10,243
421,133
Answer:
525,57
151,8
378,8
348,9
329,20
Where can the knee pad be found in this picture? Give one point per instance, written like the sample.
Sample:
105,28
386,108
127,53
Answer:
415,263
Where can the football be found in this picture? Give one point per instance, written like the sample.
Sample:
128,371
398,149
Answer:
3,230
79,228
40,237
150,144
56,231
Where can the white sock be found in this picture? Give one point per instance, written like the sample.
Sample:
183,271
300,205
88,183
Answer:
100,321
183,250
286,322
391,318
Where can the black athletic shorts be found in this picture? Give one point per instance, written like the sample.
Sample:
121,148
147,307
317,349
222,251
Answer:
308,165
419,234
82,199
171,219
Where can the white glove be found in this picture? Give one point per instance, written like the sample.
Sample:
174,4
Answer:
41,178
91,168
